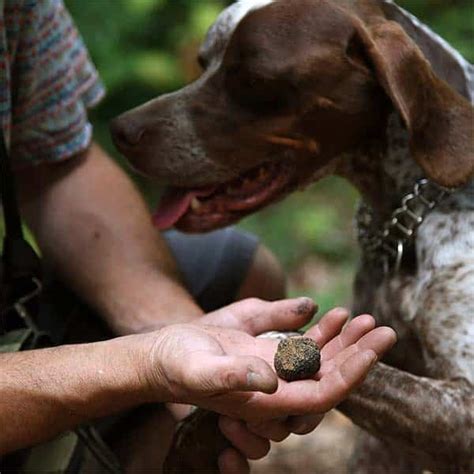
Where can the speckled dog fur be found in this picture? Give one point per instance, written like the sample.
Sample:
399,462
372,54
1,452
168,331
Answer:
422,410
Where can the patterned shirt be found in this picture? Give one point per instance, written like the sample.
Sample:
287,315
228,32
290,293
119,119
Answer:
46,82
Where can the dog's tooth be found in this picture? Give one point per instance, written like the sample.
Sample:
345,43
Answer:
195,204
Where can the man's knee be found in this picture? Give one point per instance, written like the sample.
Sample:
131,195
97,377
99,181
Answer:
265,278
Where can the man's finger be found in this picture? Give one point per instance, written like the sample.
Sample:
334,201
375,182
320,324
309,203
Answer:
232,462
275,430
304,424
249,444
212,375
380,340
350,334
256,316
329,326
337,384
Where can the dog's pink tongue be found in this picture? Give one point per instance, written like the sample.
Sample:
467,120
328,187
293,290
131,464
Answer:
174,204
172,207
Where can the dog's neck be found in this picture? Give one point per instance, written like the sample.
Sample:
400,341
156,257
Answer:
383,169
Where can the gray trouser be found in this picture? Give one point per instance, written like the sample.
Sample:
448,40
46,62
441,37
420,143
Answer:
213,265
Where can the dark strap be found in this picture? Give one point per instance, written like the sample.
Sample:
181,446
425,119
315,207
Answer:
11,215
19,259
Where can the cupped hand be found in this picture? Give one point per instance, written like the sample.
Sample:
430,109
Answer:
229,370
195,363
342,349
253,316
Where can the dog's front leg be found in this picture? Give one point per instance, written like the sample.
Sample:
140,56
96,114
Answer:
430,415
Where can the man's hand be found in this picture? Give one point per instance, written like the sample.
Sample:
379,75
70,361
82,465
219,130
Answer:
225,370
230,371
252,440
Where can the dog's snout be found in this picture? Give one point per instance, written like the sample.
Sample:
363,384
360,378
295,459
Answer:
126,132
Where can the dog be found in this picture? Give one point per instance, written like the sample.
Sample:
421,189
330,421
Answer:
295,90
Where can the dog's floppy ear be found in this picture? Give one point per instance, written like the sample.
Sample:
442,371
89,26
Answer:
438,119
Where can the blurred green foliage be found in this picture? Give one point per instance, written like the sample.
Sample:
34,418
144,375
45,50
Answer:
452,19
144,48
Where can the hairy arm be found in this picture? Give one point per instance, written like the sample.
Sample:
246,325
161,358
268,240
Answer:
94,229
52,390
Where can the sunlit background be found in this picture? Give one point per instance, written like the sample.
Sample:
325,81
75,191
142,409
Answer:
144,48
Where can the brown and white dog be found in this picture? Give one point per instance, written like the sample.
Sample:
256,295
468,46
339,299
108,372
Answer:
294,90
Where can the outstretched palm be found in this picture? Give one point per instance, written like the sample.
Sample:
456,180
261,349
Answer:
229,370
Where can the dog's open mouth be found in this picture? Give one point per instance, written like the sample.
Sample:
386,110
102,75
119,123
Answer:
211,207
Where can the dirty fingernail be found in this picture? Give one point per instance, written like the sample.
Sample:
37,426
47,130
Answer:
306,305
257,381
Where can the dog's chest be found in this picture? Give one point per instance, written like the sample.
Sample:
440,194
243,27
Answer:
391,300
444,241
434,298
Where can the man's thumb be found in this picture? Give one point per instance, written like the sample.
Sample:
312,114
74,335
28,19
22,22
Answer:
225,374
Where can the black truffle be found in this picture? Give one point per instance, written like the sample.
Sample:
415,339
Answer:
297,358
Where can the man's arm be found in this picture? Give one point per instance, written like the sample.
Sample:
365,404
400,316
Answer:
94,229
45,392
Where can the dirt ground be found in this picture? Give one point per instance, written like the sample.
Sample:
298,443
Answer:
325,451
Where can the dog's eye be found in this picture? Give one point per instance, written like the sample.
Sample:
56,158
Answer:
259,94
202,61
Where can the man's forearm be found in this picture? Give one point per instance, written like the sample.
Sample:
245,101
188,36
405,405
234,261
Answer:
45,392
95,230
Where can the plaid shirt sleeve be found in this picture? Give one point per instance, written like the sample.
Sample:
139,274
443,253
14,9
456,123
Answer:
53,83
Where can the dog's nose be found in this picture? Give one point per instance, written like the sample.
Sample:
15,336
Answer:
126,132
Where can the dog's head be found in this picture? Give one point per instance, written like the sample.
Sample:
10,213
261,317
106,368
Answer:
288,86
